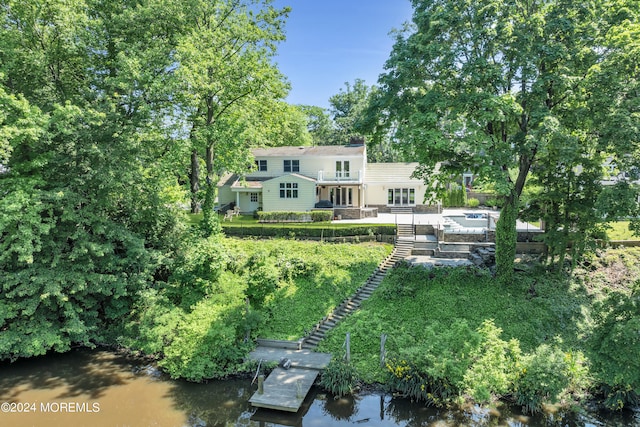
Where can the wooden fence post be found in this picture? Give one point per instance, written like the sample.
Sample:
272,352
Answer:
348,346
261,384
383,353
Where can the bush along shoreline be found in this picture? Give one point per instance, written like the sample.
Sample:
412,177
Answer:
455,335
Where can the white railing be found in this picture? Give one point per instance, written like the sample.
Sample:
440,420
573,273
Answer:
339,177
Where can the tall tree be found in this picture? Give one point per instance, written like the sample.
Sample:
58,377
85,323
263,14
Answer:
226,71
319,125
346,108
495,87
85,216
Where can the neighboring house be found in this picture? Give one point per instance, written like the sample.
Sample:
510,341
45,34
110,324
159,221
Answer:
338,177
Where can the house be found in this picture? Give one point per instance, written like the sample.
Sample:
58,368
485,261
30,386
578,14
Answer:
317,177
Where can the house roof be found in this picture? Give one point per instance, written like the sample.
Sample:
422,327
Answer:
257,183
227,179
317,150
247,184
290,176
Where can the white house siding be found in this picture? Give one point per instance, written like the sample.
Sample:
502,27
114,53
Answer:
246,204
311,160
383,176
271,200
225,195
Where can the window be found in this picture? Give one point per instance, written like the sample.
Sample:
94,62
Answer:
253,197
292,165
261,165
401,197
288,190
342,196
342,169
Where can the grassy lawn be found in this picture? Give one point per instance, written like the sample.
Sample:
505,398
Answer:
620,231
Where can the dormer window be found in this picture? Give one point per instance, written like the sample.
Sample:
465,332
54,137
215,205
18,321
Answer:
261,165
292,166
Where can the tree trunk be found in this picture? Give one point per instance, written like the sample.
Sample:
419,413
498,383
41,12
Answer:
506,237
211,222
194,177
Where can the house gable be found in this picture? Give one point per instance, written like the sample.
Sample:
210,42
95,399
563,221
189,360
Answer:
291,192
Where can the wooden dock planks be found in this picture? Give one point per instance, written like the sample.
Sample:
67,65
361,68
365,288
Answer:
281,389
299,358
285,389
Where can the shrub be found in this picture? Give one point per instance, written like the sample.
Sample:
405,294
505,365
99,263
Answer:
339,377
506,237
285,216
494,369
277,216
321,216
493,202
454,197
543,377
207,343
473,202
262,281
614,345
197,271
265,230
433,370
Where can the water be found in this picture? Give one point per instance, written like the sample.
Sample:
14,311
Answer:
99,388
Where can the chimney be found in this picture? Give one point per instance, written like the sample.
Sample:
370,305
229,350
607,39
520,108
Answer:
356,141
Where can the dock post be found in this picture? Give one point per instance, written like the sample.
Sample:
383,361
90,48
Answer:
347,343
261,383
299,389
383,353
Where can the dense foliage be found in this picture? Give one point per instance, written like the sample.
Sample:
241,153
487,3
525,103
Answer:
456,196
318,231
105,110
454,334
226,291
87,212
614,343
510,90
286,216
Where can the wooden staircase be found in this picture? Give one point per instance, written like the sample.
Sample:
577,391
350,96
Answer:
401,250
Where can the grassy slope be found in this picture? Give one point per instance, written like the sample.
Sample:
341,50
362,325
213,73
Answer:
331,273
559,310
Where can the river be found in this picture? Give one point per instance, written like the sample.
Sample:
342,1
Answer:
99,388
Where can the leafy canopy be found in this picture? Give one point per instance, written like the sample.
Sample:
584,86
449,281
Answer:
505,89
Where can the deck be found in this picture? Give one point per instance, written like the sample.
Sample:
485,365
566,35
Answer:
285,389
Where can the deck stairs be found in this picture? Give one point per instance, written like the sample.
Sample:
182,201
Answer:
401,210
426,246
402,249
405,230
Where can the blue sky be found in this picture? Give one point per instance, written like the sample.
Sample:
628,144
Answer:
330,42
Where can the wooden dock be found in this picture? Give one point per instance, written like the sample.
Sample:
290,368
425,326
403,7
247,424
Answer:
285,389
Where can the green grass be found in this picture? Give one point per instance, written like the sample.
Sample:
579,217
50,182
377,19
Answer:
536,308
321,276
620,231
